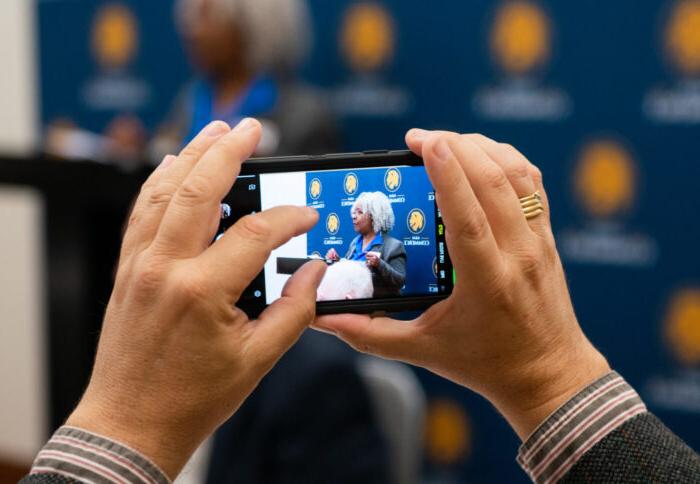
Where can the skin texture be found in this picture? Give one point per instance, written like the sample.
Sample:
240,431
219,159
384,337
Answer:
176,358
508,331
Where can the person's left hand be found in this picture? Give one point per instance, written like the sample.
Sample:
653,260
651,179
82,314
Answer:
175,357
372,259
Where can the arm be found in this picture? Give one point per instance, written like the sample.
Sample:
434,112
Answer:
393,270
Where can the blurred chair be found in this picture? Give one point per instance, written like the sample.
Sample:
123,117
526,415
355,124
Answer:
400,403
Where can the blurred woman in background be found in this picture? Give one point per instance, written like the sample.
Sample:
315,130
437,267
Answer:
246,54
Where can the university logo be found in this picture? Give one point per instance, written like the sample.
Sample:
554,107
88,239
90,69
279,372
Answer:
682,37
367,37
351,184
605,178
448,432
392,179
682,326
435,267
115,36
416,221
333,223
315,188
521,37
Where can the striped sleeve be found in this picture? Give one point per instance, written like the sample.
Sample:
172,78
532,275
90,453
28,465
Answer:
577,426
82,456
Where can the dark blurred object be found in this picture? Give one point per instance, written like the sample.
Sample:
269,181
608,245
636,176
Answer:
246,53
85,207
311,420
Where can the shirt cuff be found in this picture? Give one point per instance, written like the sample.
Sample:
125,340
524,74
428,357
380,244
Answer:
86,457
571,431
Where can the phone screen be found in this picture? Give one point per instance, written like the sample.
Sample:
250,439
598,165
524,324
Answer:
379,231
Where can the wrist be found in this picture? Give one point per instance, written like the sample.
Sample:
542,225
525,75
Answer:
547,384
161,445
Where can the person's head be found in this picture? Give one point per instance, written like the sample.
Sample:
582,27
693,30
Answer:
372,212
346,279
251,36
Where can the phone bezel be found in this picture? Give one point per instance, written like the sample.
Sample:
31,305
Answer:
340,161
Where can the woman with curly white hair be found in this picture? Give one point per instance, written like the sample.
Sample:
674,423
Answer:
245,54
373,219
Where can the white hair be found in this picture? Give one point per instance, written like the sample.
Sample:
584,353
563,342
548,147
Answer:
378,206
346,279
277,33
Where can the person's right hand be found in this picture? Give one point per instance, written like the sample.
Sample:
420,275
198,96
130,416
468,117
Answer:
508,331
332,254
176,358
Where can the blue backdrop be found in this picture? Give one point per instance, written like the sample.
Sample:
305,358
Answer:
411,196
603,96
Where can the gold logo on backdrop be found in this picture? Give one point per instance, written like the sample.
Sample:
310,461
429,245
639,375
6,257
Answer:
521,37
683,36
392,179
682,329
416,221
367,36
351,184
333,223
115,35
448,432
605,178
315,188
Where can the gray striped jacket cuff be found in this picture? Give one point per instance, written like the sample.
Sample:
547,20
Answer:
86,457
577,426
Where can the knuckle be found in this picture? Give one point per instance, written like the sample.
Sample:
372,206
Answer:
494,178
254,228
530,264
517,169
161,194
149,275
535,173
193,287
474,228
194,188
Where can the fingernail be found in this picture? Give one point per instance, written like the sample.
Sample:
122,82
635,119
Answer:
244,125
167,161
312,211
442,150
418,134
216,128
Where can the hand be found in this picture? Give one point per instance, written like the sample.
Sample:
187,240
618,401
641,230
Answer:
175,357
332,255
508,331
372,259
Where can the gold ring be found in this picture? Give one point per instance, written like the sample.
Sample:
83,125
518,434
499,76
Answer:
532,205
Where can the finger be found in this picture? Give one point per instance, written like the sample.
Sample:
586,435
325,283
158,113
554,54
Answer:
237,258
185,228
139,217
281,324
155,198
383,337
470,241
520,172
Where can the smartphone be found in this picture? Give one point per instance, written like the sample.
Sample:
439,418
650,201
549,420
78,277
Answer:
380,231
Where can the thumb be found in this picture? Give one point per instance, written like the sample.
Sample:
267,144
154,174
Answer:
281,324
384,337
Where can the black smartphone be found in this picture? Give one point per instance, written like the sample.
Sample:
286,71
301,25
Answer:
380,230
